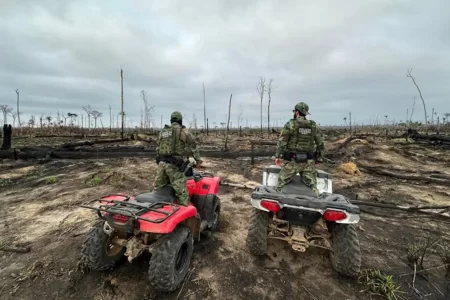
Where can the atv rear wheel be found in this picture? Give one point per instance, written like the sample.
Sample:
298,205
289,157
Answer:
346,254
171,260
97,252
216,216
257,232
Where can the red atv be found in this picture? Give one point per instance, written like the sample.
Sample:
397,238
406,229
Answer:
153,222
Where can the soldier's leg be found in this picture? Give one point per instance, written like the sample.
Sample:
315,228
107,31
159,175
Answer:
288,170
161,179
309,176
178,181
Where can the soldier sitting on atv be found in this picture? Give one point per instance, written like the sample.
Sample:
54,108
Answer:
299,146
172,143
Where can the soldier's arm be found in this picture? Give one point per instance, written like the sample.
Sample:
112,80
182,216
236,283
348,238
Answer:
318,139
192,145
283,140
157,142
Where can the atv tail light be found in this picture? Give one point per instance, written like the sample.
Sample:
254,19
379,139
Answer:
120,218
270,205
334,215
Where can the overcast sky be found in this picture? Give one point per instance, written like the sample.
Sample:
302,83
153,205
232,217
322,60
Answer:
337,56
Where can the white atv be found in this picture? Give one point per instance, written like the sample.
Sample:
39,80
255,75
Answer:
299,217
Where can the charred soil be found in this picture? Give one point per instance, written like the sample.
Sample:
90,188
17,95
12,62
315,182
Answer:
39,204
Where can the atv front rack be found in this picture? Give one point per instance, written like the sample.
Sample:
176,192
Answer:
133,210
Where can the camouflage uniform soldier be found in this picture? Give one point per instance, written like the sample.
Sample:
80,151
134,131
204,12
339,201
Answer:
300,143
173,140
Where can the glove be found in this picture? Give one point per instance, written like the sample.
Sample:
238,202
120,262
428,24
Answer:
318,157
278,161
192,161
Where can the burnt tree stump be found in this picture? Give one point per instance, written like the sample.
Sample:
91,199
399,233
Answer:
7,134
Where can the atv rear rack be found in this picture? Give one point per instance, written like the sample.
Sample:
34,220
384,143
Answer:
120,208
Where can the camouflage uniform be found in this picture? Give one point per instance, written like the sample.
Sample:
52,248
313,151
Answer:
299,135
173,140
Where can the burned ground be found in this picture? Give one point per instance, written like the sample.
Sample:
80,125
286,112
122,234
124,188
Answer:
39,204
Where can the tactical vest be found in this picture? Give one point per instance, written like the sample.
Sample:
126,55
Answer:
169,143
302,133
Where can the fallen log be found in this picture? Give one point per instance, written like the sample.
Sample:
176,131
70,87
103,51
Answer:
347,141
119,154
378,171
110,149
116,148
413,134
16,249
92,142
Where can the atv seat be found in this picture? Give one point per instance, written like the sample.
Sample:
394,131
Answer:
167,194
298,187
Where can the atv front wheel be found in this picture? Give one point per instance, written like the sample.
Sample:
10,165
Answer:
97,252
171,259
346,254
257,232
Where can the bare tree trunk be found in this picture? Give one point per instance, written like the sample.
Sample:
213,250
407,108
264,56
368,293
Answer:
438,126
121,96
408,74
228,123
350,120
110,119
269,93
18,111
207,126
261,88
204,106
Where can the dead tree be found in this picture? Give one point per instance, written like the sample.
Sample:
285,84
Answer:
261,88
110,119
121,97
6,110
147,110
228,123
88,109
31,121
269,93
350,121
96,114
408,74
194,123
239,117
7,134
18,112
41,120
13,115
204,106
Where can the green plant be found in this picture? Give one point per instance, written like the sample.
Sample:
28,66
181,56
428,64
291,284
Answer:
444,253
418,250
94,181
380,284
50,179
5,182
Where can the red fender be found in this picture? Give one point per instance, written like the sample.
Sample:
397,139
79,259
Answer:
183,213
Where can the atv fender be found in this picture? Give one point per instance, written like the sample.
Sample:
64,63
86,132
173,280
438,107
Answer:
182,214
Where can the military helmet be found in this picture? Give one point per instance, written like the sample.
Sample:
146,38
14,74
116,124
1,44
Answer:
303,108
176,117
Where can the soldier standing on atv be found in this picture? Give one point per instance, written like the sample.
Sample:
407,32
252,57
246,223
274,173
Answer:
172,143
299,145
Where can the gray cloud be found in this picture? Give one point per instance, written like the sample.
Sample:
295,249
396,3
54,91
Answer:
337,57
